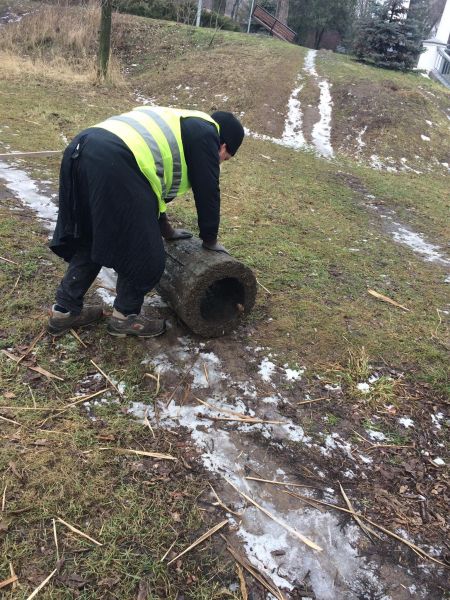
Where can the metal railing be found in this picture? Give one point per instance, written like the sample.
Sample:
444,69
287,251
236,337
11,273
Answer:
442,65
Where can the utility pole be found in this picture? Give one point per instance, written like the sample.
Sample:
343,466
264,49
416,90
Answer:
199,13
250,16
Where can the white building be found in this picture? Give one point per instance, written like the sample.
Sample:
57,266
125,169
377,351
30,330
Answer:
436,58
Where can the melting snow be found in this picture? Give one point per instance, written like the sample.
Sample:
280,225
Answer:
292,134
294,374
359,139
363,388
333,388
26,189
438,461
266,369
436,418
375,435
338,572
321,132
416,242
406,422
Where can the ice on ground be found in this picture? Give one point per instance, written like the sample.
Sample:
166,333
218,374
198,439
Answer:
375,435
205,370
438,461
321,133
333,388
436,419
270,400
24,188
293,134
143,99
359,139
294,374
415,241
363,387
266,369
310,63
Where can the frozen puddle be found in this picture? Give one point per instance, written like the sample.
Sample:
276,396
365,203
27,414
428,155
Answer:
234,450
28,192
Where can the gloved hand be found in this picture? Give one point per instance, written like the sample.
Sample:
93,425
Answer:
169,233
178,234
215,247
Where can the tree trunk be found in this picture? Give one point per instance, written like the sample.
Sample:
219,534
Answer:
104,42
209,291
318,37
282,11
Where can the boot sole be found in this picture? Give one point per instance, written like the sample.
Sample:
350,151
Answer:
120,334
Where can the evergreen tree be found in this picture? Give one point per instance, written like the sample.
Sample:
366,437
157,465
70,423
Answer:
390,38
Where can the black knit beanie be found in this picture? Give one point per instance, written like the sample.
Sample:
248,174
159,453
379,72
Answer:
231,130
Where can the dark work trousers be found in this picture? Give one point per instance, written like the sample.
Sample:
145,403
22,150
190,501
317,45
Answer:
108,216
79,277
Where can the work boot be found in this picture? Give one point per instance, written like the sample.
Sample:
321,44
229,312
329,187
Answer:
136,325
61,322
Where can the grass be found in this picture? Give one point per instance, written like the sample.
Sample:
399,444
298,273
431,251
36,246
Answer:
299,221
137,507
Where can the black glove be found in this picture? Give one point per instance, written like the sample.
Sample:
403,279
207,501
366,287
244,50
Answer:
178,234
215,247
169,233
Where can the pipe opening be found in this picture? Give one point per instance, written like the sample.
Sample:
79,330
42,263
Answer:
223,300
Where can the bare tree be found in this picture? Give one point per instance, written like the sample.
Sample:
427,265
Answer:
104,41
282,12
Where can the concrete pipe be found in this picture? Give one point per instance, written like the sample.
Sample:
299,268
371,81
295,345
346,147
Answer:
209,291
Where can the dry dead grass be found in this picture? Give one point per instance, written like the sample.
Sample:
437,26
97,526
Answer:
57,41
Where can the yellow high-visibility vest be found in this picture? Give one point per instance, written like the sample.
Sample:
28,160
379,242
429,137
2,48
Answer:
153,134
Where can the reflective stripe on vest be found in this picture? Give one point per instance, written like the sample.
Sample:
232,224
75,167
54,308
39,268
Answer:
176,154
153,134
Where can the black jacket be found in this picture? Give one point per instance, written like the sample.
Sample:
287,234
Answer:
105,201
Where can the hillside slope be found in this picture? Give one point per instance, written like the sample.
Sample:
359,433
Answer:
334,195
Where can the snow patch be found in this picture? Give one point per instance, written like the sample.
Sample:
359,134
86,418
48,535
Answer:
292,134
321,132
294,374
375,435
406,422
364,388
416,242
266,369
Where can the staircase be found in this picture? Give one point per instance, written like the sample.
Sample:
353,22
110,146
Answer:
273,25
